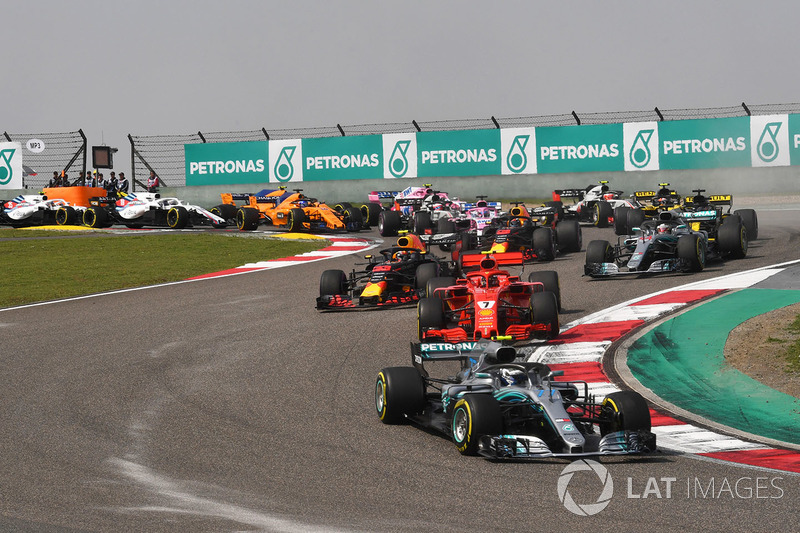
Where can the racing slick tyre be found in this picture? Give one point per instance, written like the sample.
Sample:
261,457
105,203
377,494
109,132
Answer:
388,223
549,278
438,283
296,218
692,248
370,213
621,220
599,252
544,244
177,217
624,411
601,212
353,219
474,416
247,218
66,216
342,206
544,310
750,221
569,236
635,219
424,273
332,283
558,205
95,218
399,391
430,315
422,221
732,238
226,211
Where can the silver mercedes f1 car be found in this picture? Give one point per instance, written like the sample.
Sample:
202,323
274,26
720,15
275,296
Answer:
504,409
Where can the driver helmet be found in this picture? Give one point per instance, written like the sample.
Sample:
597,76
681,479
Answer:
302,203
663,228
510,376
515,223
401,255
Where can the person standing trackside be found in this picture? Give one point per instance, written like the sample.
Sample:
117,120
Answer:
122,184
111,185
152,182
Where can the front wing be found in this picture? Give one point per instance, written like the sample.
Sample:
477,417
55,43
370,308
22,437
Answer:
344,302
530,447
605,270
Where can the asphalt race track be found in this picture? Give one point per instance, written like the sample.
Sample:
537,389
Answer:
231,404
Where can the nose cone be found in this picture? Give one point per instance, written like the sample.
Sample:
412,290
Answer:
373,290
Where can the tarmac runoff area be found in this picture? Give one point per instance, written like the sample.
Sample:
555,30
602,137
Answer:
702,407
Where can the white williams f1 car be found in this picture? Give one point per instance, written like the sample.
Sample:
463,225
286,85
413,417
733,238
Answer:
136,210
36,210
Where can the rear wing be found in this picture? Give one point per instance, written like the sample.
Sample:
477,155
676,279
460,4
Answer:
544,210
471,205
473,259
440,238
467,352
377,196
644,195
558,194
697,216
717,199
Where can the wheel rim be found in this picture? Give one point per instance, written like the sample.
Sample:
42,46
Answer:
380,396
460,425
743,240
701,253
172,218
596,214
61,216
240,219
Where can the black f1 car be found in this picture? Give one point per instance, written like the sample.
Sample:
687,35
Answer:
503,409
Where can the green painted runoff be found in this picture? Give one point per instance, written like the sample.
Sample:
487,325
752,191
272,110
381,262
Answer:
682,361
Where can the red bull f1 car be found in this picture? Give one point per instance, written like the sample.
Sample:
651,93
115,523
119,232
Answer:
503,409
397,276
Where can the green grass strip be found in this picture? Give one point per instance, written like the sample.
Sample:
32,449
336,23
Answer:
36,269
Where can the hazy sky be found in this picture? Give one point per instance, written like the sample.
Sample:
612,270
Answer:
172,67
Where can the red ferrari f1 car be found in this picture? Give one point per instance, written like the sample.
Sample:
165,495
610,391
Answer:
490,303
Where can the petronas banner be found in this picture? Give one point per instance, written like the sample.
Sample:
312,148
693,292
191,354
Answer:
705,143
757,141
343,158
458,153
229,162
595,148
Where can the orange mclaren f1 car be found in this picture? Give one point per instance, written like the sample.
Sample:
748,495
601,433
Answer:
292,211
